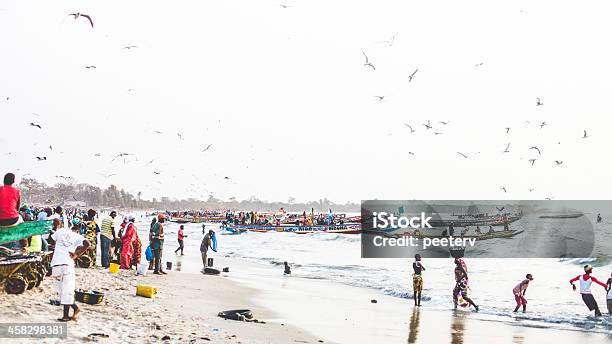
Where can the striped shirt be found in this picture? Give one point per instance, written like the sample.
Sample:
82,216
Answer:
108,227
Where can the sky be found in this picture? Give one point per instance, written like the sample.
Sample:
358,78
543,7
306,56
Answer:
284,99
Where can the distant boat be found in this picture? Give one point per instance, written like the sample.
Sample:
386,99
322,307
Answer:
561,216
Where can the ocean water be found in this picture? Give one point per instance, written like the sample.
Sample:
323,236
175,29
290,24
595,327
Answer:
336,258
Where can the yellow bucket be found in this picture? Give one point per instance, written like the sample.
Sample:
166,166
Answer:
146,290
114,268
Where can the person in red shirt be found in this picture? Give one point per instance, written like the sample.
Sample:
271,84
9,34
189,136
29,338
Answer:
181,236
10,200
585,288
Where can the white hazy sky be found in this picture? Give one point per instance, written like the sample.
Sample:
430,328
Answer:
283,97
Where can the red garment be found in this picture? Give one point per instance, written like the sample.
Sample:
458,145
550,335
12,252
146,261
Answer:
520,300
180,234
9,198
137,244
127,248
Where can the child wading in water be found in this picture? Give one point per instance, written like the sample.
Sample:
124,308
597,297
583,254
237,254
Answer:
519,293
585,288
417,279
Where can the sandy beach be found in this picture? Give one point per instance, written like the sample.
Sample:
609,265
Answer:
185,311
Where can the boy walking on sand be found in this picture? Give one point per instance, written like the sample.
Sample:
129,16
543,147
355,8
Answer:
519,293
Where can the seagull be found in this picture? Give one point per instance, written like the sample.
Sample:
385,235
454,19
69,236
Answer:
90,67
531,189
412,75
585,135
158,132
437,133
120,155
463,155
225,177
427,125
479,64
542,125
443,123
380,98
411,153
130,47
77,15
285,6
532,161
558,162
536,148
180,136
41,158
207,148
389,42
500,209
539,102
507,150
97,154
156,172
35,125
503,188
507,129
410,127
367,61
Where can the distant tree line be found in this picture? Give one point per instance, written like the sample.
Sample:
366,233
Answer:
38,193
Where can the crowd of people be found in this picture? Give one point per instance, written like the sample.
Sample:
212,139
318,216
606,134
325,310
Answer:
460,290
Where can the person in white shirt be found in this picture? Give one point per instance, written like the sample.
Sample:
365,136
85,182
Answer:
69,246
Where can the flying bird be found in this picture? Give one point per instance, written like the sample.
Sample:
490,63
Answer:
120,155
225,177
207,148
500,209
409,127
507,150
558,162
107,175
443,123
158,132
411,153
507,129
411,76
536,148
90,67
380,98
35,125
427,125
285,6
77,15
503,188
367,61
130,47
180,136
389,42
542,125
584,136
156,172
531,189
479,64
532,161
539,102
41,158
437,133
463,155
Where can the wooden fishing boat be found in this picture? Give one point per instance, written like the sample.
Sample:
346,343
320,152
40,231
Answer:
478,237
561,216
19,273
349,228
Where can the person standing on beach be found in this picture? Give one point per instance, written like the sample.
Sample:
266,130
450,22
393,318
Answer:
417,279
519,293
157,243
127,244
206,243
585,288
69,246
181,237
10,201
107,236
